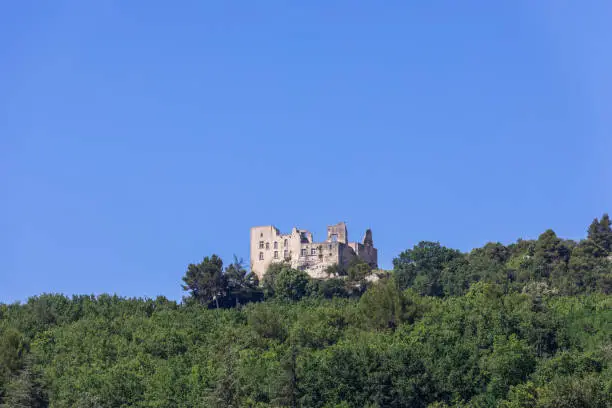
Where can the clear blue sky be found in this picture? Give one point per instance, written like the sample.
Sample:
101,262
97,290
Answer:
137,137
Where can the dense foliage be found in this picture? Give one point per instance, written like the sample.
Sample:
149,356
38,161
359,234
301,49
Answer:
523,325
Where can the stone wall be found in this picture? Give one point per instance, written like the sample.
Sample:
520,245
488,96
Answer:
269,245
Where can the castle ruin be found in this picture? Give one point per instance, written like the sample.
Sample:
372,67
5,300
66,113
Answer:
269,245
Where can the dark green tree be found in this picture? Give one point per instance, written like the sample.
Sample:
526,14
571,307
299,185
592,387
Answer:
205,281
550,257
383,305
421,267
23,391
242,287
357,270
600,232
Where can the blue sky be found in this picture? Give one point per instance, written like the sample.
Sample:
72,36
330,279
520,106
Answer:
137,137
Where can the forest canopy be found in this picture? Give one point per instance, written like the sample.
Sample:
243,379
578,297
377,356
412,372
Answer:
522,325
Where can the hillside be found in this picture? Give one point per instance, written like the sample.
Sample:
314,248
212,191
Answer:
523,325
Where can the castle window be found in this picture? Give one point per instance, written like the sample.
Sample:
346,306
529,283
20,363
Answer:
286,243
303,251
330,246
275,245
334,238
313,251
261,256
267,245
261,244
286,254
275,254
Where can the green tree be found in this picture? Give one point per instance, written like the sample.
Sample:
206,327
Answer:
291,284
269,278
22,391
382,306
422,266
600,232
510,363
13,348
575,392
357,270
241,287
205,281
550,257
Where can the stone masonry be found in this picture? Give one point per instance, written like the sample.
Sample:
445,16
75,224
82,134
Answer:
269,245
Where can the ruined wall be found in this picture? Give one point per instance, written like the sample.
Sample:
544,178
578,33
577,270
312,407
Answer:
316,257
366,253
337,233
268,245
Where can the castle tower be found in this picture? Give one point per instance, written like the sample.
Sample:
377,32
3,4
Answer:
337,233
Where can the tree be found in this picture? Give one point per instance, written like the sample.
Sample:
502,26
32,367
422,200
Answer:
588,271
600,232
22,391
575,392
269,278
357,270
510,363
291,284
550,257
205,281
422,267
13,347
287,382
241,287
382,306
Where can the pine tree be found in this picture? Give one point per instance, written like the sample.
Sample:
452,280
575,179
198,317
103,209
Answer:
600,232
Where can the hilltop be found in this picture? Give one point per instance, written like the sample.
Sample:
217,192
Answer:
520,325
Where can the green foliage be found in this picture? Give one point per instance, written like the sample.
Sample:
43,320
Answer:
564,266
389,348
204,281
328,288
291,284
21,391
382,307
211,286
283,282
510,363
358,270
600,232
421,267
522,325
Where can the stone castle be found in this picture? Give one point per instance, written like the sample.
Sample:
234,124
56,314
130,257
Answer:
268,245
